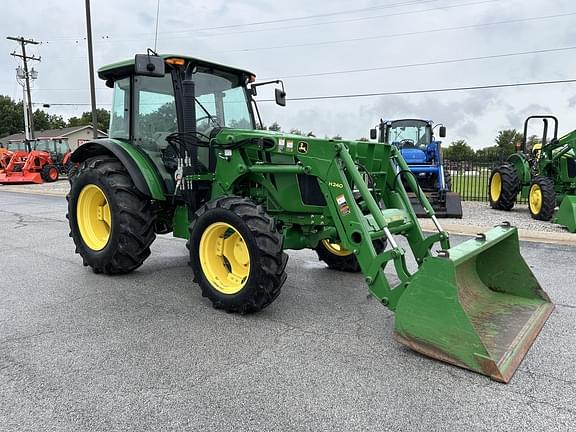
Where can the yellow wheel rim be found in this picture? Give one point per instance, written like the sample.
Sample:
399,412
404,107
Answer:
535,199
224,258
495,187
335,248
94,217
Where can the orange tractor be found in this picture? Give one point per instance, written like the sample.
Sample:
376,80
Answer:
5,156
36,161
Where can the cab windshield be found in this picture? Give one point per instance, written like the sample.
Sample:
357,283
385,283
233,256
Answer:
59,146
409,132
221,101
16,145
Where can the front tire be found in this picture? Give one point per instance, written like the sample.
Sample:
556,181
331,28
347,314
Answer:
111,222
236,255
542,198
49,173
503,187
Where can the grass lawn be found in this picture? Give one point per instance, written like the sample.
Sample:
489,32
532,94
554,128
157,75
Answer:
471,186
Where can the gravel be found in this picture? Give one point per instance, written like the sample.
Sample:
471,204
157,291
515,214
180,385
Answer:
475,213
480,214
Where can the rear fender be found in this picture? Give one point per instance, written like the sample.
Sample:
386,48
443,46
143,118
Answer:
141,170
522,167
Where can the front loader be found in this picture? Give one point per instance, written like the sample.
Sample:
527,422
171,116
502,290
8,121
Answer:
185,155
30,164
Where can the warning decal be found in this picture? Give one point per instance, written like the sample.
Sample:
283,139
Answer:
342,204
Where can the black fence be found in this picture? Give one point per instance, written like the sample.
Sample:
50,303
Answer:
470,178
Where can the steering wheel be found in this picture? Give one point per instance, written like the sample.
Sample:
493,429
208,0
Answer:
407,143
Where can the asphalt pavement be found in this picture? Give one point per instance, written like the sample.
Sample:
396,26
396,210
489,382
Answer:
145,351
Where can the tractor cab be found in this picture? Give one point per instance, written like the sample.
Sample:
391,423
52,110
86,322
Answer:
147,112
57,147
18,145
419,148
414,138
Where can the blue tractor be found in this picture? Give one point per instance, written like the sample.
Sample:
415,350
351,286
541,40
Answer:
423,154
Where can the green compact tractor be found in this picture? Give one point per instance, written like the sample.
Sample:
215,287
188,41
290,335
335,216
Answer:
545,174
185,155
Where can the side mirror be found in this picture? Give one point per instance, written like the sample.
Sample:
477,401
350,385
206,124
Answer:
280,97
373,134
149,65
442,132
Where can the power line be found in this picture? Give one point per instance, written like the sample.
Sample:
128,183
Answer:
394,35
347,20
431,63
394,93
255,23
349,71
439,90
109,39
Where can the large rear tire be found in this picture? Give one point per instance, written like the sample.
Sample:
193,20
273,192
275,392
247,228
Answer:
338,258
503,187
111,222
236,255
542,198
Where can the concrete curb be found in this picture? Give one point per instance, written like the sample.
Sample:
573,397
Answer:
28,191
427,225
524,235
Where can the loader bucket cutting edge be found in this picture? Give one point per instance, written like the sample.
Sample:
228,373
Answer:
480,308
21,178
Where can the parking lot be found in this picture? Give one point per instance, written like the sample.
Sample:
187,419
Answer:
81,351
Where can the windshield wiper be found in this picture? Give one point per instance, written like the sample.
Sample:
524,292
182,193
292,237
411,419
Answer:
210,117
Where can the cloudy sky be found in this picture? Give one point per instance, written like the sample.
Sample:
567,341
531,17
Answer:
327,40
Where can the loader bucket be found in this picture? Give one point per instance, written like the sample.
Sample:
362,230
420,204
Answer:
20,177
450,207
567,213
480,307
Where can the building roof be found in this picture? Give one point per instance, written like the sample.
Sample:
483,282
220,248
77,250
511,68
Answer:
52,133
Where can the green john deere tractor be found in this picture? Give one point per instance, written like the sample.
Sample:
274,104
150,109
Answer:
545,174
185,155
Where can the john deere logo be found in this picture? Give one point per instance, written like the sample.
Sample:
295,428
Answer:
302,147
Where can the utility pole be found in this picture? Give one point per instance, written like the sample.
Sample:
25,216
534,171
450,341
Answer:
91,67
23,42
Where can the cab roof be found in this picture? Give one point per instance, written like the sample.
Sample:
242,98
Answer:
125,67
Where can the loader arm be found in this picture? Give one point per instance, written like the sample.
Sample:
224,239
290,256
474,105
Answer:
463,305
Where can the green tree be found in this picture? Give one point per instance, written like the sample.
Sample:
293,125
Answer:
43,121
275,127
102,115
492,152
11,116
458,150
507,139
336,137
